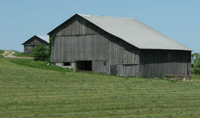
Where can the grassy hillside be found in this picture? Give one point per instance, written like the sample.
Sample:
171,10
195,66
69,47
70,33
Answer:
20,54
27,91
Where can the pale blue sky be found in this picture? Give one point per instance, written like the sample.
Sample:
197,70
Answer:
21,19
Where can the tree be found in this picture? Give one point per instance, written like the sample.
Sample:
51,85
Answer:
41,52
195,58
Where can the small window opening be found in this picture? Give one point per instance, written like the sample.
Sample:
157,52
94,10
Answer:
66,64
104,63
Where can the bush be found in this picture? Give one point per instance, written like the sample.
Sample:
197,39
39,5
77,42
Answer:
192,65
196,70
41,53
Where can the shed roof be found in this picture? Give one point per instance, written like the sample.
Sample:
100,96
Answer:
134,32
44,38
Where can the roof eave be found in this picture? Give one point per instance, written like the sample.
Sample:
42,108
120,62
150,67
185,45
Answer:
28,40
165,49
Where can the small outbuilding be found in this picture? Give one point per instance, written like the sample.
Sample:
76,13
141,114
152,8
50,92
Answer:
34,41
117,46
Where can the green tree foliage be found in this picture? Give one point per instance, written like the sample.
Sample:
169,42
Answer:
50,42
41,53
196,71
195,58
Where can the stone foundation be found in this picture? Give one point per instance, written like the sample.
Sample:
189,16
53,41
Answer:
177,77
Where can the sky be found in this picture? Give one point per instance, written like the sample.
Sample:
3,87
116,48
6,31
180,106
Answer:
22,19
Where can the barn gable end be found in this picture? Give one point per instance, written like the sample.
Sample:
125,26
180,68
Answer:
79,40
34,41
75,26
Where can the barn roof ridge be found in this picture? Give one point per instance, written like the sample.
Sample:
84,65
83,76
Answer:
134,32
104,16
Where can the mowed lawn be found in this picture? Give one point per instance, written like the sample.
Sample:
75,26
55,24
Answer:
27,91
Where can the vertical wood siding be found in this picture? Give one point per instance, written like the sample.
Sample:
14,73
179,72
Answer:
156,63
99,67
96,48
28,49
72,48
125,70
76,27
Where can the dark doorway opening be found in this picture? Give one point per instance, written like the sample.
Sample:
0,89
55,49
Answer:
84,65
66,64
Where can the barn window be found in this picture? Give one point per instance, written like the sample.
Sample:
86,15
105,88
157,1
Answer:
104,63
66,64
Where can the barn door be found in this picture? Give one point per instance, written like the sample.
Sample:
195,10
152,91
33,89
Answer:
83,65
116,70
113,70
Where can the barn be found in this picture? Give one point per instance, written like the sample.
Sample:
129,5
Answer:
34,41
117,46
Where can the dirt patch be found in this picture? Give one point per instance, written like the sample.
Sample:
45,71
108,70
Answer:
9,54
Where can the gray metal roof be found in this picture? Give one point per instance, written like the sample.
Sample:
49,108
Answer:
135,33
44,37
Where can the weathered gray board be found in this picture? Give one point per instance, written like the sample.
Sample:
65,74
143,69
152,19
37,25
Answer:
99,67
124,70
28,48
92,47
156,63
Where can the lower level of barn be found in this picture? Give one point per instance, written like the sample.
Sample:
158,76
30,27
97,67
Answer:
102,67
153,63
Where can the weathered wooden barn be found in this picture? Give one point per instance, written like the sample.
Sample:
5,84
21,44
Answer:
34,41
117,46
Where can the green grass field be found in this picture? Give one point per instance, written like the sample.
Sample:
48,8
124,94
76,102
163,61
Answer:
31,89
